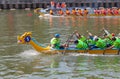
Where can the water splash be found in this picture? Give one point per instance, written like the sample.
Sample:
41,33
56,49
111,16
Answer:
29,53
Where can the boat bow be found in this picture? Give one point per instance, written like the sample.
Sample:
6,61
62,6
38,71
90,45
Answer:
27,38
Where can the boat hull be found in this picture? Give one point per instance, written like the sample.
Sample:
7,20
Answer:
96,51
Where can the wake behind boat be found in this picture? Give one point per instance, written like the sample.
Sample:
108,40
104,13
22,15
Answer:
27,38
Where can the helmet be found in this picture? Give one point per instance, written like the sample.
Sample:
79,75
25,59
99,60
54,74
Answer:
57,35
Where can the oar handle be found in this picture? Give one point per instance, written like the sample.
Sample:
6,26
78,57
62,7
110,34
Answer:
66,44
70,37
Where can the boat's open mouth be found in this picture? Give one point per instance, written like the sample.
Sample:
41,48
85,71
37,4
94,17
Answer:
19,41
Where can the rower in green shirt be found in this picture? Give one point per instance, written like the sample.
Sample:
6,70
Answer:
55,41
99,43
80,37
116,43
80,42
108,42
81,45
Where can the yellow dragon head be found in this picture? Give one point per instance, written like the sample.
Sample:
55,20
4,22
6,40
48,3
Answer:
24,38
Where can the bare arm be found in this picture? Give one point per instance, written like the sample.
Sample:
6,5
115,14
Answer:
110,47
90,34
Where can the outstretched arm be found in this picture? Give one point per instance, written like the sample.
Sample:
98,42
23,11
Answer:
77,34
90,34
110,47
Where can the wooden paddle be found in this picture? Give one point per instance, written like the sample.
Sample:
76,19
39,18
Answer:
67,42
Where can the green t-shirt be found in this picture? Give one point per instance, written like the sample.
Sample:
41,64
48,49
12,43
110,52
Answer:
90,42
83,39
117,43
56,42
100,43
108,41
81,45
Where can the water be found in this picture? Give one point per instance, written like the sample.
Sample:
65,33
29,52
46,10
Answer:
23,62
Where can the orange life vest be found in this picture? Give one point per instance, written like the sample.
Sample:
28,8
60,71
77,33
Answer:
60,12
51,12
67,12
74,12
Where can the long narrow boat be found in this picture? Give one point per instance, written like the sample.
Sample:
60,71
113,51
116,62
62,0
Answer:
71,16
48,15
43,13
27,38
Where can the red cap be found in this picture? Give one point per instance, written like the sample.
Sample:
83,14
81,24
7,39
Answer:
113,34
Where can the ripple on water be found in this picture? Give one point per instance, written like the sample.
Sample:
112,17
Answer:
2,67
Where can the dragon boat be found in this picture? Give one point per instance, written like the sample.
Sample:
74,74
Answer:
49,15
71,16
45,13
26,38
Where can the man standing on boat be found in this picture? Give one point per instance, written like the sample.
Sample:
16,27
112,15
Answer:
52,4
63,6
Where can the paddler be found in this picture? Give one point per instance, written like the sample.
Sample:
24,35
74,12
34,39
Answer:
85,12
99,43
108,40
67,12
80,44
55,42
108,37
60,12
80,37
90,40
51,12
95,42
80,12
74,11
116,43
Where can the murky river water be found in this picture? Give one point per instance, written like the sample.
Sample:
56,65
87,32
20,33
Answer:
23,62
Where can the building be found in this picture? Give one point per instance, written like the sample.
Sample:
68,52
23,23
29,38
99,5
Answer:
32,4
